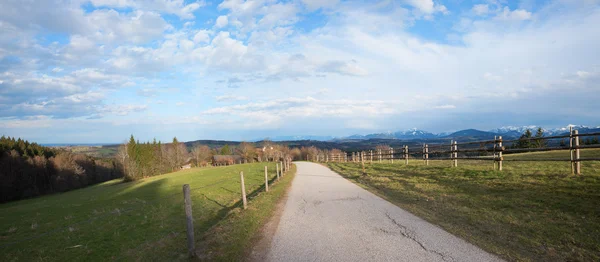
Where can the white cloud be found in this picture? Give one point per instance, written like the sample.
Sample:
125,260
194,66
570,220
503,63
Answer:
345,68
136,27
272,112
445,107
425,6
515,15
228,98
222,21
176,7
481,9
203,36
229,54
122,110
318,4
491,77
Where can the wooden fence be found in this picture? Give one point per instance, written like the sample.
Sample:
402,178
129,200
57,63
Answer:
487,150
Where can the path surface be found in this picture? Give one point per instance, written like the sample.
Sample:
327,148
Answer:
328,218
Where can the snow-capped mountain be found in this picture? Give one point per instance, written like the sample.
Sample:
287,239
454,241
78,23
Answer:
413,133
518,130
508,132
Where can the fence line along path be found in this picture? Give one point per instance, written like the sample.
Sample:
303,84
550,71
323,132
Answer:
485,150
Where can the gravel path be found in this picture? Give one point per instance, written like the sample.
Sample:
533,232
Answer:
328,218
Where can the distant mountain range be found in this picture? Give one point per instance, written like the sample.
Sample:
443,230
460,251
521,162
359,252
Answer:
507,132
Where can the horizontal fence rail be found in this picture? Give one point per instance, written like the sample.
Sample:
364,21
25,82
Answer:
495,150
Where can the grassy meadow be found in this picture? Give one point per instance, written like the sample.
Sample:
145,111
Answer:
143,220
530,211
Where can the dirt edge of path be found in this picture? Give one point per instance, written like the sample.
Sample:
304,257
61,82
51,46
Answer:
260,250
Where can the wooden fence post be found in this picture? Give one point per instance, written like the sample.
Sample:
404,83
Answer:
371,155
571,152
282,167
187,200
500,153
244,201
426,155
495,146
451,151
277,170
362,161
266,180
455,149
392,155
577,163
379,153
406,155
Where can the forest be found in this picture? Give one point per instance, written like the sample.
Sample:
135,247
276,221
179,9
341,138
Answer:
28,169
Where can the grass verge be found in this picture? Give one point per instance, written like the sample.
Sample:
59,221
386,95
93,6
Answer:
137,221
233,237
531,211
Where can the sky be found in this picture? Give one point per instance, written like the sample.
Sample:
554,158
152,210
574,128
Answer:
97,71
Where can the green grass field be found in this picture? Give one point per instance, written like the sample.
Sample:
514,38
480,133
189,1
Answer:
531,211
142,220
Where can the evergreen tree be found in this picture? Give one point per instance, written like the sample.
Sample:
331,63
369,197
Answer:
540,142
524,140
225,150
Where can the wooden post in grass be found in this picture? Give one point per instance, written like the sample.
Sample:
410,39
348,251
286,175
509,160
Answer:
495,145
406,155
281,170
362,161
244,201
500,153
392,155
423,151
187,200
577,163
571,153
451,149
455,153
426,154
379,153
277,170
266,180
371,155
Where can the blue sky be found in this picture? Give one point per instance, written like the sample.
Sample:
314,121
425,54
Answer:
97,71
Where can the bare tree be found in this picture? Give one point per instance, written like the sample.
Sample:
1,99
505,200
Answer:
246,151
201,154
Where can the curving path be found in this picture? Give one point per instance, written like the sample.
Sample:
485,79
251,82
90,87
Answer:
328,218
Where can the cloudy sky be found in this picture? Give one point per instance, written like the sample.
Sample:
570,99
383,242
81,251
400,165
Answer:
100,70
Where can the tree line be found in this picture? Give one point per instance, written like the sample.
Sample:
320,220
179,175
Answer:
28,170
528,140
145,159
